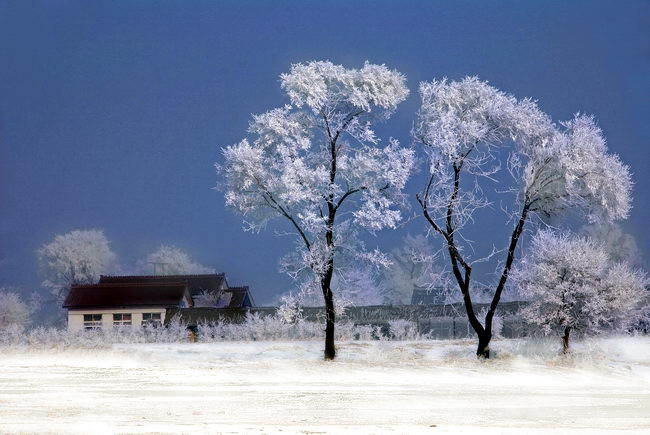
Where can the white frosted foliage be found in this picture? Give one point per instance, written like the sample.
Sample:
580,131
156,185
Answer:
170,260
573,283
466,129
77,257
317,164
558,167
14,312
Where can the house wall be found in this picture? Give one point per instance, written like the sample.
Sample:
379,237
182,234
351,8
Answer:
76,317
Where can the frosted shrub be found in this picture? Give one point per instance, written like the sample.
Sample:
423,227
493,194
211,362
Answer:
270,328
14,312
349,331
54,337
641,321
289,309
257,327
11,334
403,330
254,327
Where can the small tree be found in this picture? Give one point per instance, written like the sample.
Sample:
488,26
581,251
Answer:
318,165
78,257
574,286
170,260
464,128
13,311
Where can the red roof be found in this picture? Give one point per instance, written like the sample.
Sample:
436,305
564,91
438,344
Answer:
166,294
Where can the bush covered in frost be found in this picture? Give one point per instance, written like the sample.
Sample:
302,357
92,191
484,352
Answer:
94,338
404,330
254,328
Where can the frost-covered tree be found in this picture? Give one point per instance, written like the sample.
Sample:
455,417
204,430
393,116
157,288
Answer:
574,285
170,260
13,311
414,264
466,128
77,257
318,165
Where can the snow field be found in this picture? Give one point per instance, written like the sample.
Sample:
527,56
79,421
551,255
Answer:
375,387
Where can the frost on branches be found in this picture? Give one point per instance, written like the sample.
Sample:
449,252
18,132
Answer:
78,257
317,164
170,260
574,285
465,129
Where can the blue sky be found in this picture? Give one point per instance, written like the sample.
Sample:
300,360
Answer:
112,114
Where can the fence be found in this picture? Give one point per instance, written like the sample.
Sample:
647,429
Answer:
459,327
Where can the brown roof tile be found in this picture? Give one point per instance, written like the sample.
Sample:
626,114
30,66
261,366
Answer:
196,283
167,294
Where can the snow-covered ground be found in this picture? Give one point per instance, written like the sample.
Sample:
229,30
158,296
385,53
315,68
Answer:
427,387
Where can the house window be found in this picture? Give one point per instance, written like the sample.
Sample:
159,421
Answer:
151,319
92,321
122,319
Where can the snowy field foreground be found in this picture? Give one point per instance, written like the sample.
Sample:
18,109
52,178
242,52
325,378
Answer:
423,387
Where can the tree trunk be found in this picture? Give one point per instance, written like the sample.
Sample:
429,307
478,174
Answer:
330,350
330,316
565,340
483,349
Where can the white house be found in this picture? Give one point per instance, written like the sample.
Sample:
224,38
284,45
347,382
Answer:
128,304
